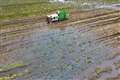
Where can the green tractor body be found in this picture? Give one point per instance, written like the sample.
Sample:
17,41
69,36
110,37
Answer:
62,15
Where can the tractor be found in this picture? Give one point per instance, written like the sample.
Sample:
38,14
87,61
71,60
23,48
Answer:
60,15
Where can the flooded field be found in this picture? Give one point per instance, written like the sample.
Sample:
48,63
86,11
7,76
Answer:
72,53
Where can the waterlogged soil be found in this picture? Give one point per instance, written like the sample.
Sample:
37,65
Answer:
72,53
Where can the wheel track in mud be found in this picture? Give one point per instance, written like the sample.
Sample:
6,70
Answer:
27,41
88,23
99,23
21,69
4,73
96,18
85,21
34,20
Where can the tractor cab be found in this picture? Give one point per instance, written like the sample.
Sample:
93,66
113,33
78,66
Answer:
60,15
53,17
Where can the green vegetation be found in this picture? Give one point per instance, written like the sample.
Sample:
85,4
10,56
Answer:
117,65
10,66
98,70
26,8
12,2
13,75
11,9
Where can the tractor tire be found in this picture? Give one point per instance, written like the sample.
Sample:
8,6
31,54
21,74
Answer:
48,20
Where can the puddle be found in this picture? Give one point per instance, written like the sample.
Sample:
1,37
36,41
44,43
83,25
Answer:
110,6
61,1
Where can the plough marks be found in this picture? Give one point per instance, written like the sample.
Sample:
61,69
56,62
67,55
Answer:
88,36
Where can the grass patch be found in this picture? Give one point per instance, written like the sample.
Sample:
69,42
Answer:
11,66
12,2
28,10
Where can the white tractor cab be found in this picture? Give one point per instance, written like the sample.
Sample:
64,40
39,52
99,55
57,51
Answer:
58,16
53,17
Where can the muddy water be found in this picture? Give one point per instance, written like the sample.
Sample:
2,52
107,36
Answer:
110,6
56,54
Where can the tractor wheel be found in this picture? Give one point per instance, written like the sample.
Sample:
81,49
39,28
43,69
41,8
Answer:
48,20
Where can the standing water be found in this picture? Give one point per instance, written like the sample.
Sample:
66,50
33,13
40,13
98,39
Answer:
61,54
